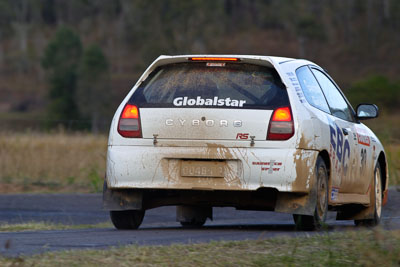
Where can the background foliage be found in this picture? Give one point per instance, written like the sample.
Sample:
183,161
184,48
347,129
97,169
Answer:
69,63
61,60
357,42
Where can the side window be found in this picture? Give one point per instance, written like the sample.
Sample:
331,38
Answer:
337,103
311,89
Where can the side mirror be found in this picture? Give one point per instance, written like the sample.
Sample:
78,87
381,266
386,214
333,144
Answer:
367,111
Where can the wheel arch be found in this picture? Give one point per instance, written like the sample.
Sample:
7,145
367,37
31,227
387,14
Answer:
325,156
384,175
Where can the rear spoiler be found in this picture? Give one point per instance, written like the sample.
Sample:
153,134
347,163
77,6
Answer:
165,60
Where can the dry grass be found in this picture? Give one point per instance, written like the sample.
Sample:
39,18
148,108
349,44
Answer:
393,157
387,128
41,226
360,248
52,162
60,162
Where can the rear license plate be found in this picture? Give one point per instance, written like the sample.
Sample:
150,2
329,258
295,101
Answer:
198,168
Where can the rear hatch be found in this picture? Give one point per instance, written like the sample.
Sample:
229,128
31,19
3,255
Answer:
209,100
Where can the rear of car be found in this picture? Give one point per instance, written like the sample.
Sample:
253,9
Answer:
200,132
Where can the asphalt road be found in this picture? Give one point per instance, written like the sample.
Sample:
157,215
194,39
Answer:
159,226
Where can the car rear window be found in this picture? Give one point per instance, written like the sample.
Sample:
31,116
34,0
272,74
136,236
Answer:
212,85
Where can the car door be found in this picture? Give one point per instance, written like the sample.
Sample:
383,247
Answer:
343,138
366,152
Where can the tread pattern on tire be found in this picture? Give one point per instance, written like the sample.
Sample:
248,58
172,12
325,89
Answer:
308,222
376,220
127,219
195,224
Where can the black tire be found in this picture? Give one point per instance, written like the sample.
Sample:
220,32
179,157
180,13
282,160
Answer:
193,224
377,198
315,222
127,219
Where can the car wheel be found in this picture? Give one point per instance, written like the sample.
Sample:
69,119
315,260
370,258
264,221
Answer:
307,222
193,224
126,219
377,197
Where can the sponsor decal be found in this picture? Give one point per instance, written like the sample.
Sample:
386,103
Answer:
355,136
339,149
362,137
208,123
199,101
271,166
295,83
242,136
334,193
215,64
289,74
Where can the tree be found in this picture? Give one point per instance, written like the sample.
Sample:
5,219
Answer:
6,18
61,60
93,91
308,28
378,89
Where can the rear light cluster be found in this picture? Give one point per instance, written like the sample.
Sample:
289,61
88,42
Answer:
281,125
129,122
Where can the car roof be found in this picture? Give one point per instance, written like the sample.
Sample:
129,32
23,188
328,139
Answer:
243,57
269,61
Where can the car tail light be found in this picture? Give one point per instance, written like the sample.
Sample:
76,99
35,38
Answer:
281,125
129,122
213,59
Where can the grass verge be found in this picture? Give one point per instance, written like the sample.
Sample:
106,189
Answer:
360,248
393,158
42,226
58,162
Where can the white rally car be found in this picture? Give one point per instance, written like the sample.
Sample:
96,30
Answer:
250,132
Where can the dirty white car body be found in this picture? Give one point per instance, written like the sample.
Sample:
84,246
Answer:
213,149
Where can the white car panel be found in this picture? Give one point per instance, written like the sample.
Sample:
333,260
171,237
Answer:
246,168
205,124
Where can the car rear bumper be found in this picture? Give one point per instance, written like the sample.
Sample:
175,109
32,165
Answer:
245,169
